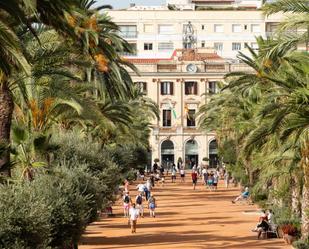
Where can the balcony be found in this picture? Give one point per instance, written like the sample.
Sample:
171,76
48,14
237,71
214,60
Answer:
190,129
171,129
128,34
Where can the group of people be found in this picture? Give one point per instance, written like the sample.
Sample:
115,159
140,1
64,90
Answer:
265,222
209,178
135,209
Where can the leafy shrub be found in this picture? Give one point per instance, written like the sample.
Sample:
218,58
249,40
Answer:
131,175
52,211
24,218
69,208
301,244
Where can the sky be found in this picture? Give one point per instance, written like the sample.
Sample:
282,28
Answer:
125,3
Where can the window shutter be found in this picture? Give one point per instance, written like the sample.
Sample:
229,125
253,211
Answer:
161,84
172,88
195,88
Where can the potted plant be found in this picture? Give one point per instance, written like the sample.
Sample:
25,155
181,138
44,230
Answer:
290,232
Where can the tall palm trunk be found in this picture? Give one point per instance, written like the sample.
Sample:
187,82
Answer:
305,201
295,195
6,111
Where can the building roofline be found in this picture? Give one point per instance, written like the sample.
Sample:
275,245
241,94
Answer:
184,57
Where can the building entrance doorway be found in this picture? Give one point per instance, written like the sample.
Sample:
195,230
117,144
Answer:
213,154
167,153
191,153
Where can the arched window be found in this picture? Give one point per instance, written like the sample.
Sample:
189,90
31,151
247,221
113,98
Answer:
213,154
191,153
167,152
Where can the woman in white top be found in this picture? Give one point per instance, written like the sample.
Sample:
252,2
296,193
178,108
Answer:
134,213
182,174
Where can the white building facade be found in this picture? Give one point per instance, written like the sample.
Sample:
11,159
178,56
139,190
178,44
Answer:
181,56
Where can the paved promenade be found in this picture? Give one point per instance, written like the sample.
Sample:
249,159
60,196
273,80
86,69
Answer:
185,218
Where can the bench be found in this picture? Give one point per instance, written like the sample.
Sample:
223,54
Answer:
272,231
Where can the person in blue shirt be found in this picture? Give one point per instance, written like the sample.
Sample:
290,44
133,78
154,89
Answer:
242,196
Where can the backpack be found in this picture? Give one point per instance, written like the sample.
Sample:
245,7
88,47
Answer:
139,200
126,199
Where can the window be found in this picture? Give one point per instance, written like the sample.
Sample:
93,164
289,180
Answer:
218,28
191,87
254,46
203,27
167,88
133,48
191,118
147,46
128,31
218,46
167,118
148,28
236,46
245,27
203,44
236,28
255,28
212,85
142,86
164,46
165,29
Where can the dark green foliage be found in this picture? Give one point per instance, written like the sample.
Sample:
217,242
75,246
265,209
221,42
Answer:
24,218
301,244
75,151
69,206
129,157
131,175
51,211
239,173
227,151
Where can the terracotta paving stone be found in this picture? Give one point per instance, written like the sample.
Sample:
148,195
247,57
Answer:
185,219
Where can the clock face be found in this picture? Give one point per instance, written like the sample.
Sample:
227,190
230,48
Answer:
191,68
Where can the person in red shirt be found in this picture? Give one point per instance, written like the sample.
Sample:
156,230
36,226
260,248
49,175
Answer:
194,178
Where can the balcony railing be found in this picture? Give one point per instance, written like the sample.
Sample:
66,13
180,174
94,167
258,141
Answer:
128,34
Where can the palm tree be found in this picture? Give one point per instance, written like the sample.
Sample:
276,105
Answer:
295,28
93,35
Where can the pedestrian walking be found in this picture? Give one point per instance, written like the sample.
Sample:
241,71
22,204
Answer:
148,184
134,213
205,175
126,204
215,180
152,206
140,187
182,174
139,204
162,181
126,185
174,174
194,178
152,180
147,192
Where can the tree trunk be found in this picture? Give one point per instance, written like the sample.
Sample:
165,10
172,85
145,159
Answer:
295,198
305,202
6,111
